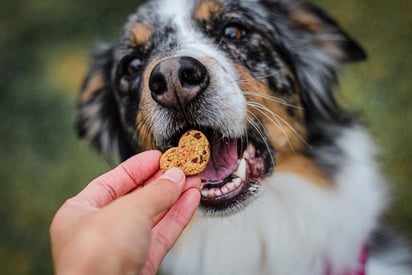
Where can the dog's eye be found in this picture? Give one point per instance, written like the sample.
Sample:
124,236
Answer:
134,66
234,31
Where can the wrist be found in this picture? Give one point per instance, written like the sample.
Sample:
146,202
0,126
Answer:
90,267
89,262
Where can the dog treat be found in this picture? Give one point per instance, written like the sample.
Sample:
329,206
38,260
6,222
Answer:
191,155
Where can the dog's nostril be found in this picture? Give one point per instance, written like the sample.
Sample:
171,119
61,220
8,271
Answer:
192,72
157,82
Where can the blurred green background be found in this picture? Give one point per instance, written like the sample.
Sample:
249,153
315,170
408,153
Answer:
44,52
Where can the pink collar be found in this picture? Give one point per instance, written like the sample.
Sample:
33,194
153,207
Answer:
361,269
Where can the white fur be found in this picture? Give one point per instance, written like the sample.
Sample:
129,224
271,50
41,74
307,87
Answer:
294,227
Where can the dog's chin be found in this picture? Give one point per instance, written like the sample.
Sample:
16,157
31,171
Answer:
235,172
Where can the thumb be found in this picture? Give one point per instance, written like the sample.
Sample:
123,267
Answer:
158,195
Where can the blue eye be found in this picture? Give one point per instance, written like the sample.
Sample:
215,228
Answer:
234,32
134,66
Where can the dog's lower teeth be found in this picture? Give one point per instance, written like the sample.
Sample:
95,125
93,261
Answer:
217,192
237,182
225,189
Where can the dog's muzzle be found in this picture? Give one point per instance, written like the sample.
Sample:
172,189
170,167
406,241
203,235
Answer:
238,163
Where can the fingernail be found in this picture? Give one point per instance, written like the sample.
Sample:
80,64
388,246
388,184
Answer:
174,174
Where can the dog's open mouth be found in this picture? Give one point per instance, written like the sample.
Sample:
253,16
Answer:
235,171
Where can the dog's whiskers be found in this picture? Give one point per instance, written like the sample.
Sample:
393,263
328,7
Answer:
277,120
264,76
253,120
244,139
218,44
273,98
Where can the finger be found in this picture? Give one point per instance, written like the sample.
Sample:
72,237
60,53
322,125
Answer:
191,183
153,178
159,216
121,180
168,230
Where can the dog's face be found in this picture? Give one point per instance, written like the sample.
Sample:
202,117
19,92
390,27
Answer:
254,76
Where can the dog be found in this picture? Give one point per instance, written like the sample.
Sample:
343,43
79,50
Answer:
292,186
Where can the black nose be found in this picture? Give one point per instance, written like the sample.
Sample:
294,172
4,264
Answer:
177,81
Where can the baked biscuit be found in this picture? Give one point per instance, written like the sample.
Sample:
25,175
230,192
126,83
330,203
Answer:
191,155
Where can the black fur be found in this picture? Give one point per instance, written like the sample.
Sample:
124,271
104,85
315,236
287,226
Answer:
388,247
101,111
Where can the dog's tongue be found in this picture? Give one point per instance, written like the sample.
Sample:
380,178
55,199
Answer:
223,159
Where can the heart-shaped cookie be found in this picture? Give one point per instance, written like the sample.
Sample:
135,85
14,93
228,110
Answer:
191,155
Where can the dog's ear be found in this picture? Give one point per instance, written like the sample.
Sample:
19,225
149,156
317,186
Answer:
320,46
324,32
98,117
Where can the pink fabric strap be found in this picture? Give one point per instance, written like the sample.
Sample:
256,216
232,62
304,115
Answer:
361,270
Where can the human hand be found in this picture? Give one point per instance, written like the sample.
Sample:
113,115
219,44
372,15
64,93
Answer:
124,221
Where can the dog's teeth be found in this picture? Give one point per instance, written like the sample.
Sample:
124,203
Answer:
231,185
237,182
225,190
211,193
241,170
218,192
251,150
204,193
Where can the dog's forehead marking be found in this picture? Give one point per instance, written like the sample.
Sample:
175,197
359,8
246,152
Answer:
140,33
207,9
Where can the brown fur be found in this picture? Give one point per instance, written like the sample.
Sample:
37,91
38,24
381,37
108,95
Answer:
140,34
305,20
286,133
145,137
303,167
287,142
93,86
208,9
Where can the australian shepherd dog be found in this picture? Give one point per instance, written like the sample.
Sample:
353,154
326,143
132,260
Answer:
292,187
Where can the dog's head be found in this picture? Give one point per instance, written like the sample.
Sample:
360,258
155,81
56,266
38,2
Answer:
254,76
